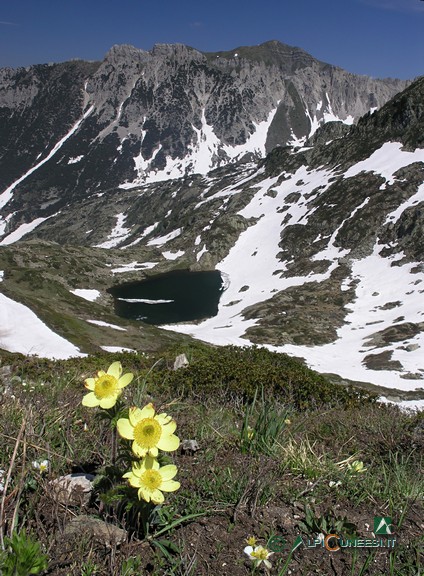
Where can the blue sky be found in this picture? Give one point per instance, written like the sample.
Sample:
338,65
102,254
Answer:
380,38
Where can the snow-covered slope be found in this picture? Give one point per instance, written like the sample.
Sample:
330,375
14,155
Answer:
22,331
386,292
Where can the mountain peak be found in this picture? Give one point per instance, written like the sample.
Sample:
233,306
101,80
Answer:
120,52
177,50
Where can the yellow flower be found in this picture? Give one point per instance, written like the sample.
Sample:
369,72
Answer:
151,479
107,387
251,541
357,467
259,554
250,433
149,433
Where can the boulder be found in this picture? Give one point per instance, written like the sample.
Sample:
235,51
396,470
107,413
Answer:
73,489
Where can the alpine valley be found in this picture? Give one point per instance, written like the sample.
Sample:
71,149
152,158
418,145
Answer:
301,183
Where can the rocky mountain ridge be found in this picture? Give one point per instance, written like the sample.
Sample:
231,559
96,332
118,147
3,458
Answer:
74,129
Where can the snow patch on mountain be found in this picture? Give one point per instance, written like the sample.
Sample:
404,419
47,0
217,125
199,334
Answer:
205,153
327,116
133,266
380,282
412,201
7,194
107,325
161,240
87,294
75,160
201,252
386,161
24,229
118,349
22,331
173,255
118,234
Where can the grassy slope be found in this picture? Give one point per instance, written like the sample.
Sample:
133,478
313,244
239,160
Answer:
306,431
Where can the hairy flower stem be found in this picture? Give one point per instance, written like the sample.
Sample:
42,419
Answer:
114,446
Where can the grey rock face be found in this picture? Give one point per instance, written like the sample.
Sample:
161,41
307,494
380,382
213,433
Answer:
172,110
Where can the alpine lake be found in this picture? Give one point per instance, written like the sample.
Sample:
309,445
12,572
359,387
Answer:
169,298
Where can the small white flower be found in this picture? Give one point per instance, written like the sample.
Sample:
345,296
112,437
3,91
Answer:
42,467
259,554
333,484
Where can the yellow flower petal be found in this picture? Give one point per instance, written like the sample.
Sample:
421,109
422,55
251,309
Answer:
135,415
125,429
134,481
90,400
169,428
168,443
125,380
170,486
144,494
157,497
148,411
163,418
138,450
168,472
154,452
108,402
115,370
89,383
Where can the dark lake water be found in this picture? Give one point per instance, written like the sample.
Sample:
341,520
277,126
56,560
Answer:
178,296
